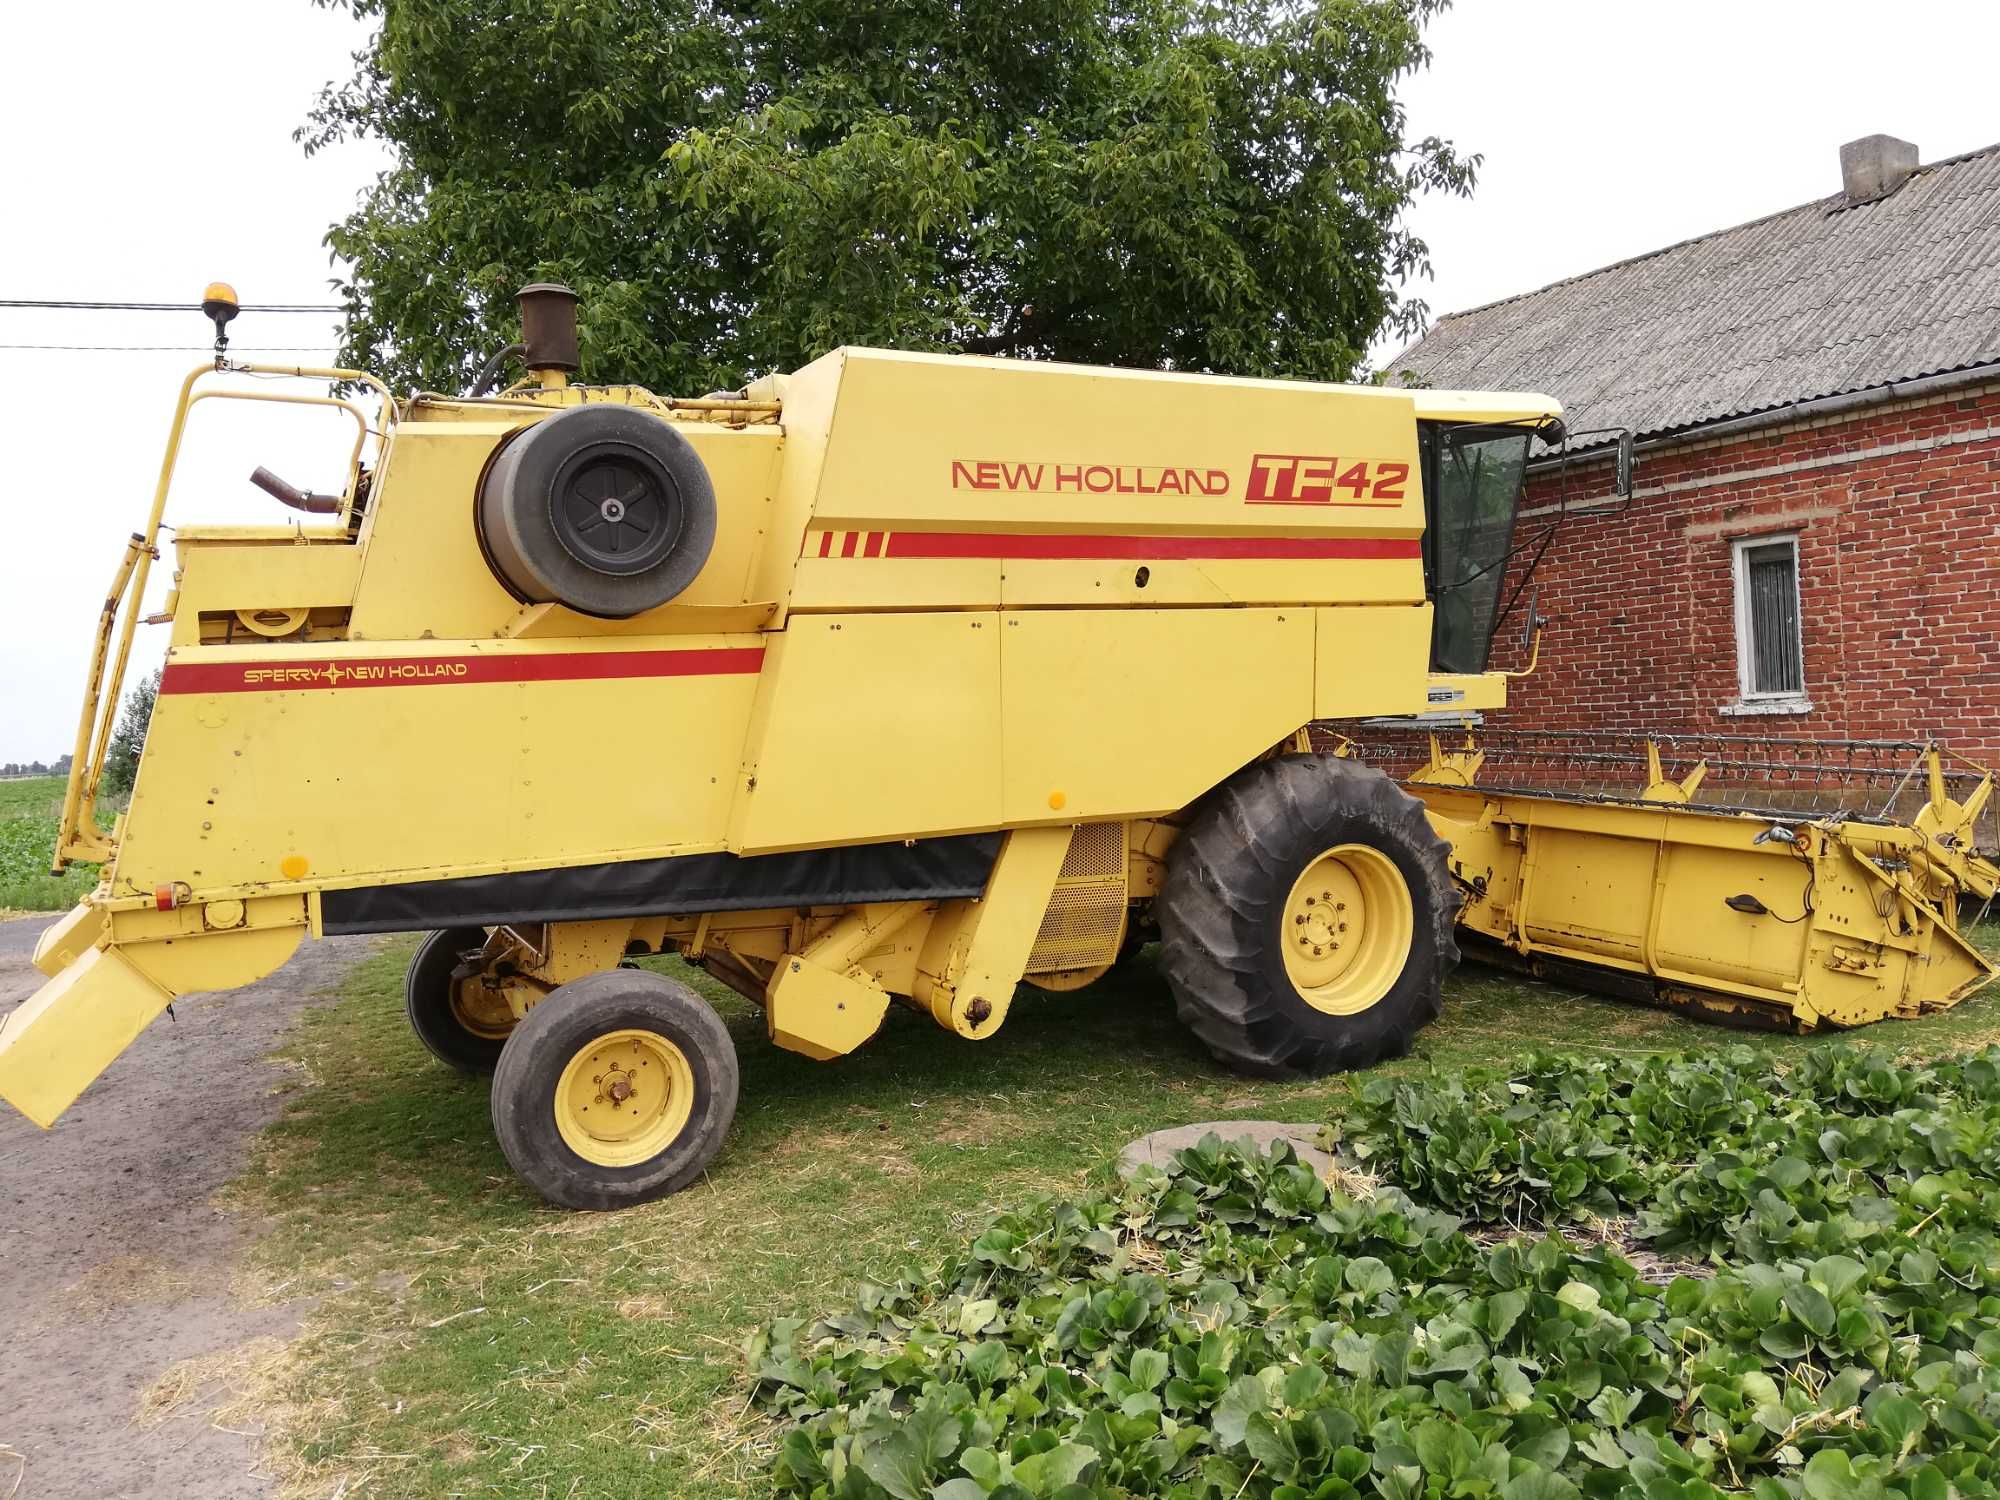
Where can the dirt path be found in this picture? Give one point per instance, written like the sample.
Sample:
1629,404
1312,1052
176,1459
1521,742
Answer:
115,1264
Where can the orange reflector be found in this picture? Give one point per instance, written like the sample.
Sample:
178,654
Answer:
164,898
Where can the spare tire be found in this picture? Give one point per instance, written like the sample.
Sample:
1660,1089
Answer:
602,509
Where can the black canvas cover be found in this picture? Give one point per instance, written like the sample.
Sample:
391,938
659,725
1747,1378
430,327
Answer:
937,869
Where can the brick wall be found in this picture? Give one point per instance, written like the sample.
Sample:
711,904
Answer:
1897,514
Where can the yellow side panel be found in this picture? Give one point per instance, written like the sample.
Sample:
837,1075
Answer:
1127,713
422,570
1032,581
1590,895
424,574
863,582
1371,661
1085,487
446,776
877,583
1700,936
261,575
1073,448
874,725
809,410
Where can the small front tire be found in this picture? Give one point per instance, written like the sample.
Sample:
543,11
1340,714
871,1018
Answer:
616,1089
463,1024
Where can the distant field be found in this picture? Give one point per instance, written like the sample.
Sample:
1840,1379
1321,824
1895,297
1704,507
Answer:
30,808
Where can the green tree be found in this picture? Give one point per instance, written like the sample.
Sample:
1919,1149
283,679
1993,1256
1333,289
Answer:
736,186
121,759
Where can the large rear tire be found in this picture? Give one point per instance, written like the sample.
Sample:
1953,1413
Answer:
615,1089
1306,921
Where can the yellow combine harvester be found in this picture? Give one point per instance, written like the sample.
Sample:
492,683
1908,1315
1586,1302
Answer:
900,678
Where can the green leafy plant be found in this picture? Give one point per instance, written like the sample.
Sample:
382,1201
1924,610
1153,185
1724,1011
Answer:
1230,1328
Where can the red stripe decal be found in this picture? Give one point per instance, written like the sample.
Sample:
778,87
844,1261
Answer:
826,544
440,671
1144,548
847,541
874,546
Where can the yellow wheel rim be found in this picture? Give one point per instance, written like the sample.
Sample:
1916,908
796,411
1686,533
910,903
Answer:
1347,928
624,1098
482,1011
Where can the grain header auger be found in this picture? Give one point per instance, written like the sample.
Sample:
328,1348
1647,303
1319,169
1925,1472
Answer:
1762,881
897,679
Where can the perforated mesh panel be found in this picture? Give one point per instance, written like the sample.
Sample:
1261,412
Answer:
1086,917
1096,850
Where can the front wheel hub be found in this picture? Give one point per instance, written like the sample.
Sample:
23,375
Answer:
624,1098
481,1008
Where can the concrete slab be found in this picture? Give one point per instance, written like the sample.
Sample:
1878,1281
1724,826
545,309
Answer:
1159,1147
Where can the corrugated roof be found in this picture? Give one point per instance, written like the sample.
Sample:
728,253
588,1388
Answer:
1820,300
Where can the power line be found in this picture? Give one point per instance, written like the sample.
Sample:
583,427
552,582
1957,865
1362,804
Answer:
178,348
249,307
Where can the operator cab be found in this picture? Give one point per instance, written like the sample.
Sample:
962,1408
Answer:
1473,476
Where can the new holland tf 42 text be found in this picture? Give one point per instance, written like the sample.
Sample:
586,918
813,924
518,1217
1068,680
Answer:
898,679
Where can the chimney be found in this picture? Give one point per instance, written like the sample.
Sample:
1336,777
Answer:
1875,166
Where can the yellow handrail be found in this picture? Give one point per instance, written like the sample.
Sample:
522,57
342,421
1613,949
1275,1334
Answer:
72,841
77,836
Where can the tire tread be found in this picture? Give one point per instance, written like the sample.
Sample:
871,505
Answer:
1226,873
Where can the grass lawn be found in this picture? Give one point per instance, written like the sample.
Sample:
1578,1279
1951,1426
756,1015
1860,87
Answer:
467,1340
30,809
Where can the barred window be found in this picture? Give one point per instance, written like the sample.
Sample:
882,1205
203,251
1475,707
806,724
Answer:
1770,651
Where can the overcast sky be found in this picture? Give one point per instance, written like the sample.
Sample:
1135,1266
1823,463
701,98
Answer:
163,159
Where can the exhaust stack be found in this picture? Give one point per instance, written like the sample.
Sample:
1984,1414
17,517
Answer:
548,327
